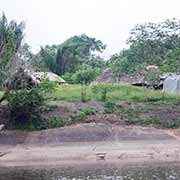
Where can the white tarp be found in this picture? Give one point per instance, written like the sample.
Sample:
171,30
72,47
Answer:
172,84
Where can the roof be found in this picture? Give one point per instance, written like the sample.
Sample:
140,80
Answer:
49,75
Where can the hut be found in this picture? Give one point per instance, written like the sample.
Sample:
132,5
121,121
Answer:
50,76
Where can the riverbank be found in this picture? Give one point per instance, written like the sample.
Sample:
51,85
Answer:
80,145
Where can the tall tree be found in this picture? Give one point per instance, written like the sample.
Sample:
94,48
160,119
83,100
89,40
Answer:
150,43
47,58
11,35
75,51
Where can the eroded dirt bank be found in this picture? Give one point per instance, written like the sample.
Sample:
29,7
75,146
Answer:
80,144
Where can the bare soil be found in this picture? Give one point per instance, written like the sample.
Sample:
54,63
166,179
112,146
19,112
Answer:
114,134
127,113
80,144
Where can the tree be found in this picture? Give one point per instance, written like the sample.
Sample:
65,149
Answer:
85,77
76,51
46,58
11,35
121,67
70,55
150,43
172,62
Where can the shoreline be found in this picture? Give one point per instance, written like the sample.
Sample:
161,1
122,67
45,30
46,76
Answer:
127,146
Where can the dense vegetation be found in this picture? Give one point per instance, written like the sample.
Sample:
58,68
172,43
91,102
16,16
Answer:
11,35
150,44
77,60
124,104
69,56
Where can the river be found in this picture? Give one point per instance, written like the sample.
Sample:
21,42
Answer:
104,172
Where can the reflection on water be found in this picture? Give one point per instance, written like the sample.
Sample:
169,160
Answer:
168,172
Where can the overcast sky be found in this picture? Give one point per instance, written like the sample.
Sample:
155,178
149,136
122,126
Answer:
54,21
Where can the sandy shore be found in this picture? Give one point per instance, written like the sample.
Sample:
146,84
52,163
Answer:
80,144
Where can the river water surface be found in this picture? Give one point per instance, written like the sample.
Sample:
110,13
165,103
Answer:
150,172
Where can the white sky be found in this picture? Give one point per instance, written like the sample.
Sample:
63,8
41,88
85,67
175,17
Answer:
54,21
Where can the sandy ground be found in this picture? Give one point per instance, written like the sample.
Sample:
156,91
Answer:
80,144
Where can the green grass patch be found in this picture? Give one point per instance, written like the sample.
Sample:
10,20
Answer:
70,93
115,92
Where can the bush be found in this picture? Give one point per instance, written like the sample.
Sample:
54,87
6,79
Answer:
68,77
87,111
103,89
56,122
86,76
25,106
110,107
174,124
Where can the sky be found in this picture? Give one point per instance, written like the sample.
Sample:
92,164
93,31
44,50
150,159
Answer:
54,21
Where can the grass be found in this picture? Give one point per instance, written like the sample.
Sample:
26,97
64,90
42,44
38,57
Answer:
70,93
133,105
116,92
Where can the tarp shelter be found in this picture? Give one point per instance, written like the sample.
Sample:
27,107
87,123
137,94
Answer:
172,84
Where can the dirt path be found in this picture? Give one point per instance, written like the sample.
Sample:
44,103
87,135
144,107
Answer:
81,144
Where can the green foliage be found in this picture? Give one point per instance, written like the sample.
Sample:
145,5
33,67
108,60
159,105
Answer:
155,121
56,122
150,43
115,92
68,77
102,89
121,67
85,76
25,106
75,51
153,78
70,55
11,35
46,59
174,124
46,88
172,61
110,107
51,107
87,111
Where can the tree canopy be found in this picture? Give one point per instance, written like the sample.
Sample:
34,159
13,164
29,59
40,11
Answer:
150,43
11,35
70,55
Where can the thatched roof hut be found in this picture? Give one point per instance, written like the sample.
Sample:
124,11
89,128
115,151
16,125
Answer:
50,76
22,78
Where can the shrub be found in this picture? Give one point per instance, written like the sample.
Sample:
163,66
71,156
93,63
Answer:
110,107
56,122
153,78
87,111
103,89
68,77
174,124
25,106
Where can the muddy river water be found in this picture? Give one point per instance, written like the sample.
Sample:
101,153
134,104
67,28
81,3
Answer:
104,172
